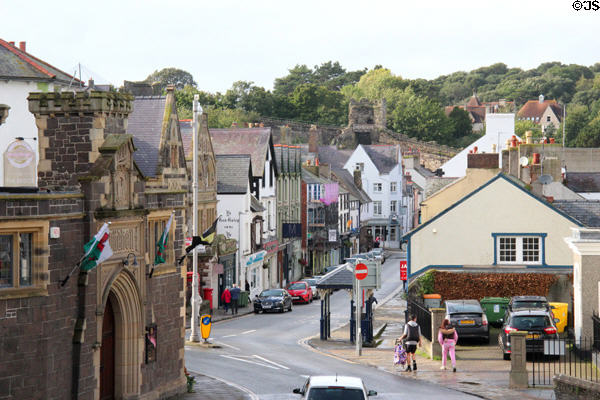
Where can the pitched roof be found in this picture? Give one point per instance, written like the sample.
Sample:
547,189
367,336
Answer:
332,156
340,278
16,64
510,179
346,180
474,101
233,173
385,157
535,109
583,182
145,124
585,211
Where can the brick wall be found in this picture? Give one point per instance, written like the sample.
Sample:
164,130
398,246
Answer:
483,160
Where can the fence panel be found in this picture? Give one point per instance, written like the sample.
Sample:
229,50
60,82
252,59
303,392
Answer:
575,358
423,317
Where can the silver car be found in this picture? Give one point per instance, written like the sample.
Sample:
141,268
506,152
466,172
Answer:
312,282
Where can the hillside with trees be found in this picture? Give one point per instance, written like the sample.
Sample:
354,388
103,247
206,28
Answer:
415,106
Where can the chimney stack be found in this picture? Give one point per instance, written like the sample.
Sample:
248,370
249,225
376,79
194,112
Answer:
313,139
357,177
541,98
22,46
12,44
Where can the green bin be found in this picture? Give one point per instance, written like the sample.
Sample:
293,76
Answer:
495,308
243,298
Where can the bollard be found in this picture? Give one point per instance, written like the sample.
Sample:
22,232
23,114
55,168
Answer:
518,361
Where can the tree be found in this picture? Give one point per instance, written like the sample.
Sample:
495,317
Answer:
590,134
577,118
225,117
460,123
297,76
171,76
184,99
523,125
316,103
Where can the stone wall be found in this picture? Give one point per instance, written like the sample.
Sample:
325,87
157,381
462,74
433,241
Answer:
568,388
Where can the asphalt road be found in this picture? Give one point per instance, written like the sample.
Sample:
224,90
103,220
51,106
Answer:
264,353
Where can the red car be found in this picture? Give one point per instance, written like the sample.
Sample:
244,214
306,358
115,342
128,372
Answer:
300,291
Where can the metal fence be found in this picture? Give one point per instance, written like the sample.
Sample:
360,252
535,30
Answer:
575,358
596,323
423,316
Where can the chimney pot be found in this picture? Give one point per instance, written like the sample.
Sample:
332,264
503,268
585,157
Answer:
12,44
22,46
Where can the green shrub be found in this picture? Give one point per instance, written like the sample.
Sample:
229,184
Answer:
427,283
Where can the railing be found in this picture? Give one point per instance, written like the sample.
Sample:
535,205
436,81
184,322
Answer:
596,324
423,317
575,358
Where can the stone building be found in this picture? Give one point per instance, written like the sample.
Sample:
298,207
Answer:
111,332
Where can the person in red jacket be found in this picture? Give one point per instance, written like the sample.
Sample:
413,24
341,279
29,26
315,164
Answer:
226,298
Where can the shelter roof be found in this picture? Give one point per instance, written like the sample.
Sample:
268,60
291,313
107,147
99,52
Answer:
339,278
233,173
145,123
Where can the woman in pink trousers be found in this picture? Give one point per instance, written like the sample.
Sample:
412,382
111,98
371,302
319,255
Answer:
448,337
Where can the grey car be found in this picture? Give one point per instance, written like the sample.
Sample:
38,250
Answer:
468,318
273,300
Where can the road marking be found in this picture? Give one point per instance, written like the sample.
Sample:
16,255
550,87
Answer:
230,335
272,362
249,361
250,393
305,376
227,345
250,331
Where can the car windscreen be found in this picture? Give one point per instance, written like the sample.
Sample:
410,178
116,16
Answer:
269,293
526,322
459,308
297,286
529,304
335,393
311,282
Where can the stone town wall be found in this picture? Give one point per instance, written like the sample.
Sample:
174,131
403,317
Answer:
567,388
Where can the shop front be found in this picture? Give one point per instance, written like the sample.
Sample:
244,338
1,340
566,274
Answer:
254,275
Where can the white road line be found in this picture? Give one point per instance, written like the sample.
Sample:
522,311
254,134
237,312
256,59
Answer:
243,333
272,362
250,393
305,376
230,335
249,362
227,345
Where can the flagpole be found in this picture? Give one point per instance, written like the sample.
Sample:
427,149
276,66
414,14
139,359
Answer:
195,295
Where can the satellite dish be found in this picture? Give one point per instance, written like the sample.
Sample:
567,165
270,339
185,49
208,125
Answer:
524,161
545,179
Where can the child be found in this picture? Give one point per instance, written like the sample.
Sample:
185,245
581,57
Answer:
448,337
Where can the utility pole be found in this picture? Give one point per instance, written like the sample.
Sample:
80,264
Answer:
195,295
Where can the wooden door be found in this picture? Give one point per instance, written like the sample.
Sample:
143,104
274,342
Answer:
107,356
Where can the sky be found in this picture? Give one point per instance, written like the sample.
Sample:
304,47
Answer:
220,42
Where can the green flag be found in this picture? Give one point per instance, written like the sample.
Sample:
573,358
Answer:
161,244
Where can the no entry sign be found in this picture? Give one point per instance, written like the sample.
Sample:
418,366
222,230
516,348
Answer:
361,271
403,270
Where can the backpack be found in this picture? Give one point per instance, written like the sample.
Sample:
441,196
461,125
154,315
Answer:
413,333
399,355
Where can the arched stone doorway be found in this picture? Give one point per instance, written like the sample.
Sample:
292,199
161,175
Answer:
122,297
107,355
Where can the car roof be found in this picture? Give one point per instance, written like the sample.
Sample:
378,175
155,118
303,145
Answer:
332,380
525,298
529,311
298,282
466,301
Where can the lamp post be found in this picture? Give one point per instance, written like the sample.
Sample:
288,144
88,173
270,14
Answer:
195,295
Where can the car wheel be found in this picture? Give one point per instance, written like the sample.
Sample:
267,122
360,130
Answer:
282,310
506,356
255,311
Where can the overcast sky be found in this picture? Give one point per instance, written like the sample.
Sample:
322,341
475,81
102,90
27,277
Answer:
222,41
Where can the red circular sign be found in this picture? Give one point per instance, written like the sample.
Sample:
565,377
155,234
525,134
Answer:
361,271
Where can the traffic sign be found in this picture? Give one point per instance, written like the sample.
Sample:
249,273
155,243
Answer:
403,271
188,241
205,324
361,271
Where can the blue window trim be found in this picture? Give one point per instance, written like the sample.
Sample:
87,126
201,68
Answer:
543,250
438,267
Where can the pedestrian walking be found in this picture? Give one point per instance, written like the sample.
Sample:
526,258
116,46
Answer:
447,337
226,299
235,298
412,338
247,286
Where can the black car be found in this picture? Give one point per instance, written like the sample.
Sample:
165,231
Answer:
539,325
273,299
468,318
528,302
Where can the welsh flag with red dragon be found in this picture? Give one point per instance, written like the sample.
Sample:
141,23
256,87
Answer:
96,250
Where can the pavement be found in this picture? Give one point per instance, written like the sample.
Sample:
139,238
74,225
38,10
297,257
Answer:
207,387
481,371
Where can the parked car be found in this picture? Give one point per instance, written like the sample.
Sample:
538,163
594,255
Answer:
334,388
379,253
539,325
528,302
300,291
468,318
272,300
331,268
312,282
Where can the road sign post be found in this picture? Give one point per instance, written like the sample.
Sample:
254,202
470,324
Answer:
360,272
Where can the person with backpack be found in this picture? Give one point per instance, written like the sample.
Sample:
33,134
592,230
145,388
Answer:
447,337
412,337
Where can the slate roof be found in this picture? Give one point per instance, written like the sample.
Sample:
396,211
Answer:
474,101
16,64
332,156
583,182
185,127
346,180
585,211
253,141
385,157
309,177
233,173
339,278
535,109
145,124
